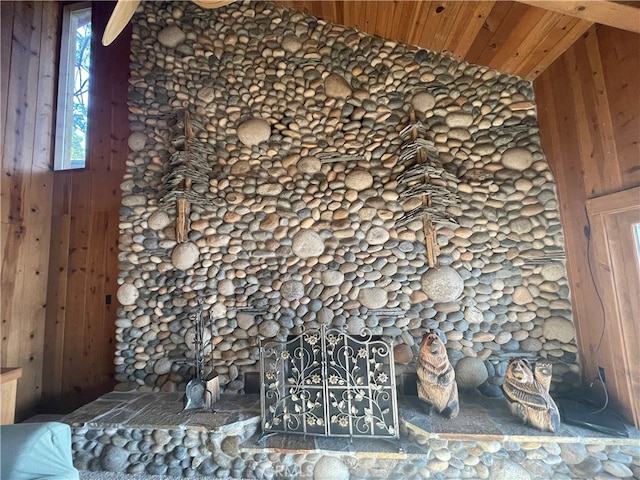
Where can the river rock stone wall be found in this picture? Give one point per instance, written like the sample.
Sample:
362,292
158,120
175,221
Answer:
187,453
296,211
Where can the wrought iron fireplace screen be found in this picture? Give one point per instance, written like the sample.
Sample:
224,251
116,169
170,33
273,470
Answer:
326,382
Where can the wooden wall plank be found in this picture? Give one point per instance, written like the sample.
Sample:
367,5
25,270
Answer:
57,291
17,257
446,22
48,70
564,34
484,38
529,42
411,32
84,252
513,37
26,190
6,32
468,24
398,20
621,72
580,106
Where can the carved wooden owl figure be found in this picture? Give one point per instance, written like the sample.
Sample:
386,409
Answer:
436,377
527,394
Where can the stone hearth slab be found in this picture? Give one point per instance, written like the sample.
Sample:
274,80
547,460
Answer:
163,410
145,432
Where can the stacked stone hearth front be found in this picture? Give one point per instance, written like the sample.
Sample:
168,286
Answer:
299,219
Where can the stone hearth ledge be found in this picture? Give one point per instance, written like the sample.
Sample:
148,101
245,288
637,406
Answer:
139,432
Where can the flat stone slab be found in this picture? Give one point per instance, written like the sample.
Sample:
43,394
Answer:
480,418
161,439
135,410
483,418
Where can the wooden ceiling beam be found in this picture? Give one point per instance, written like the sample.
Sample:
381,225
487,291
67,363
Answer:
618,15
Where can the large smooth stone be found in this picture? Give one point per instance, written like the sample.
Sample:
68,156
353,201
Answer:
337,87
471,372
458,120
309,165
307,243
504,469
158,220
292,290
137,141
359,180
377,236
557,328
553,271
332,278
442,284
114,459
254,131
517,158
268,329
522,295
573,453
127,294
402,354
291,43
330,468
226,288
423,101
171,36
185,255
373,297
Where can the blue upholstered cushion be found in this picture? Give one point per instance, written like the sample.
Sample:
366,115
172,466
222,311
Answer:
36,451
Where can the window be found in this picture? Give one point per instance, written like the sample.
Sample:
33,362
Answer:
73,88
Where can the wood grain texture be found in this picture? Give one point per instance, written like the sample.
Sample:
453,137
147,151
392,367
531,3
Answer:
588,113
617,271
614,14
28,64
510,37
84,253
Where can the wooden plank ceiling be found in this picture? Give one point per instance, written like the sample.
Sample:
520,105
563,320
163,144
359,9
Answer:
511,37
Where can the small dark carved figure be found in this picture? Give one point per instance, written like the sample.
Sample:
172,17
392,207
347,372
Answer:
436,377
527,394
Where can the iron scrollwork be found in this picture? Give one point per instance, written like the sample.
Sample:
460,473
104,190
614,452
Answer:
326,382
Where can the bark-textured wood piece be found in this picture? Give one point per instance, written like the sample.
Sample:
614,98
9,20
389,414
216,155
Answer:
183,206
187,165
436,377
527,398
424,176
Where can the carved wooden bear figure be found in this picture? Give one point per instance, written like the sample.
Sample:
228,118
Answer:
527,394
436,377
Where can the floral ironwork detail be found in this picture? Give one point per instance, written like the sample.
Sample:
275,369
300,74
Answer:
326,382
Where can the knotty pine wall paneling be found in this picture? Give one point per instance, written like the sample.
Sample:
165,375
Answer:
28,79
83,271
589,113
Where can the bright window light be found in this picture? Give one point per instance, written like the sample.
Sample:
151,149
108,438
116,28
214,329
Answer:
73,88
